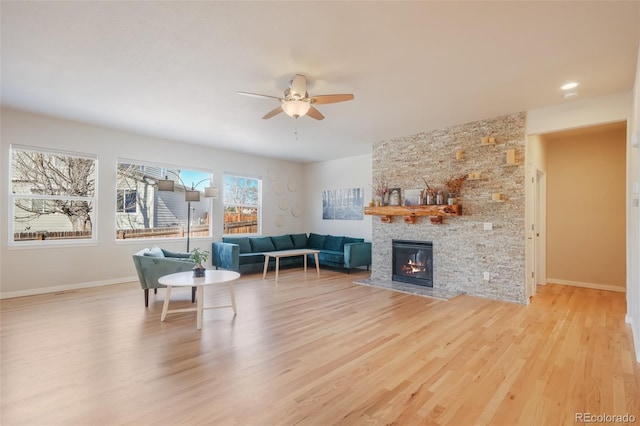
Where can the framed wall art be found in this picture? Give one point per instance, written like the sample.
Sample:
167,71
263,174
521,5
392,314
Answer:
343,204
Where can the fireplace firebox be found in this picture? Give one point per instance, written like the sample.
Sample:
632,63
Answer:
412,262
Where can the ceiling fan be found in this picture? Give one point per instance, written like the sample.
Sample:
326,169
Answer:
296,102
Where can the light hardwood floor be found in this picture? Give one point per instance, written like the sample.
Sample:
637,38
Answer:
311,351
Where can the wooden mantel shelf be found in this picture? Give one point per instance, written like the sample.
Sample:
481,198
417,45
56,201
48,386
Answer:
411,212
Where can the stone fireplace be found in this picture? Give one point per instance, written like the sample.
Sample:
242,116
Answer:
466,250
412,262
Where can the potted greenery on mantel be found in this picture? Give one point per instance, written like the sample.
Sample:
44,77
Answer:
199,257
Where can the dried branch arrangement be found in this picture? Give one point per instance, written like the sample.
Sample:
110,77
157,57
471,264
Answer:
454,184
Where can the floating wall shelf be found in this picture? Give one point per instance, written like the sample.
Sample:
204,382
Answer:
411,212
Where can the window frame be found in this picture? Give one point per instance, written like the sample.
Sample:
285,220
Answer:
126,193
259,206
43,198
163,168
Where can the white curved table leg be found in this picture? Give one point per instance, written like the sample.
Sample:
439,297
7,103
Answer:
165,306
200,304
233,298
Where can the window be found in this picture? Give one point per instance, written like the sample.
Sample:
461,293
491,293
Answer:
127,201
52,196
145,212
242,204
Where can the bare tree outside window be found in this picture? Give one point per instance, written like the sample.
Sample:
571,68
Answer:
242,197
52,193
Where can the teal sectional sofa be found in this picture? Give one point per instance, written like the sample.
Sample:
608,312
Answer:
244,254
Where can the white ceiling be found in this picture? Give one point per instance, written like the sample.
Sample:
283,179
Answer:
172,69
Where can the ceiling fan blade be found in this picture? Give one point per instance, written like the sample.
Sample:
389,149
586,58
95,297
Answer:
314,113
299,85
256,95
331,99
272,113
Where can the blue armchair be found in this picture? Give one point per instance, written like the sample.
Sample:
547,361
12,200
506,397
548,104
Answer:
151,264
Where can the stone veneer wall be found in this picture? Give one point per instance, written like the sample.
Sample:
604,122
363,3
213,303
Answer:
462,249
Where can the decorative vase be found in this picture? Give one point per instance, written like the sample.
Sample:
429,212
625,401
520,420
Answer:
199,271
451,200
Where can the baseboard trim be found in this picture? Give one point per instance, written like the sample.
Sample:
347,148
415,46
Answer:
635,332
66,287
595,286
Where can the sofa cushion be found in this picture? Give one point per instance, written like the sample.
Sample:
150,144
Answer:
334,243
242,242
316,241
282,242
154,252
175,254
261,244
299,241
142,252
348,240
331,257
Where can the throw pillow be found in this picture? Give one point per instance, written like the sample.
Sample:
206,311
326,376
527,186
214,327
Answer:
348,240
179,255
155,252
334,243
316,241
282,242
261,244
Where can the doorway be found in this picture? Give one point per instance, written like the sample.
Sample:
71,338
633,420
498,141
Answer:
575,202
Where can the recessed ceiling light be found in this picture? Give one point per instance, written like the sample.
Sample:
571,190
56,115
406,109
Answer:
570,85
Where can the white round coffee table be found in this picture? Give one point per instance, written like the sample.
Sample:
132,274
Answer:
186,279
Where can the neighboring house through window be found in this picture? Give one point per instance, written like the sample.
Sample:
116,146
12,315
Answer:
242,204
144,212
53,196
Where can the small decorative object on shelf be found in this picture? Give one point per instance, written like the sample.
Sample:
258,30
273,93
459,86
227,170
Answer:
488,141
430,198
382,193
429,194
394,196
454,185
199,257
474,176
497,197
412,197
439,198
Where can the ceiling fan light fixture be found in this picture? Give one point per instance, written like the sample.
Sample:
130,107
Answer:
296,108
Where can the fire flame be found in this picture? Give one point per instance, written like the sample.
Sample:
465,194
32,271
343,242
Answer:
413,267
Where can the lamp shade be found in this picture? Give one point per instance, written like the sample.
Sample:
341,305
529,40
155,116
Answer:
211,192
296,108
165,185
191,195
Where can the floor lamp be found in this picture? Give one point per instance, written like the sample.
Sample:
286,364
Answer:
189,195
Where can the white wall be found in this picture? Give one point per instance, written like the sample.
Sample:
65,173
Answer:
35,270
607,109
580,113
351,172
